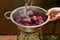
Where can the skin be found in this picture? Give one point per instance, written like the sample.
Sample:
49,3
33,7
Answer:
54,13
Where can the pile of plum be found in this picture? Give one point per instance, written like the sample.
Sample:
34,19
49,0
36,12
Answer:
32,21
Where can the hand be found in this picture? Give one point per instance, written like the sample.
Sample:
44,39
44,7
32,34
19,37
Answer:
54,13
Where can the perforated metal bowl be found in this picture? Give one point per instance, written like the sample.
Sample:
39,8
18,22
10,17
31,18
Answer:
24,28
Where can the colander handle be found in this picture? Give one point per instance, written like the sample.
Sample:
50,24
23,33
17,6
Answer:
5,14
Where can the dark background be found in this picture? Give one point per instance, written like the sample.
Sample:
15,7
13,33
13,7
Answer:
7,27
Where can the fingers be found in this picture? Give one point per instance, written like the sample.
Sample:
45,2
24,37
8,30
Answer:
52,16
54,13
49,11
57,16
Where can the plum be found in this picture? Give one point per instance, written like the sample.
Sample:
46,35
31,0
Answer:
40,21
27,24
33,25
34,19
30,13
26,19
18,19
40,17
